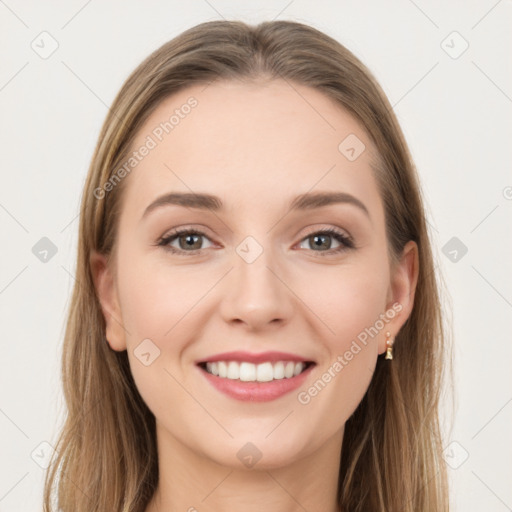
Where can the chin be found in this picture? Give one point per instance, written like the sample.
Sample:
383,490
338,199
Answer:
254,453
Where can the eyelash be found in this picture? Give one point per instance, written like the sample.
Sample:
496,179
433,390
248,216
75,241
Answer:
345,241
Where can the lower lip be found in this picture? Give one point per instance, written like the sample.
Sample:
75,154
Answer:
256,391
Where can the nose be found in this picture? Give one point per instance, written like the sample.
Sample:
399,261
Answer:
256,294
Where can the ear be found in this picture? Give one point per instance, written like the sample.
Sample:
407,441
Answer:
401,292
106,290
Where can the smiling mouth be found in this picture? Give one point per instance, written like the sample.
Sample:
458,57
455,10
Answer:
250,372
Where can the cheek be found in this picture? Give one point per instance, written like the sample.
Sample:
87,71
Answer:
351,301
163,303
347,299
159,303
156,297
350,306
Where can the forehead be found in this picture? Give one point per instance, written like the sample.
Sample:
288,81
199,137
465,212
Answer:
252,143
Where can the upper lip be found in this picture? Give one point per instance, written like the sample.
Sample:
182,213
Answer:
255,358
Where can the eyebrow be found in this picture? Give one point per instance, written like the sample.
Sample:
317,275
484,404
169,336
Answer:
306,201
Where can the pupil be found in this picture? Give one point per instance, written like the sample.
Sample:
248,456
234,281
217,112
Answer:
190,239
320,237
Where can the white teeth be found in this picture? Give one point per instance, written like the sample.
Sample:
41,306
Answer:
264,372
288,371
223,369
212,368
279,370
233,370
249,372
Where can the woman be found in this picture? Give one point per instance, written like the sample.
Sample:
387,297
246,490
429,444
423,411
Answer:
256,319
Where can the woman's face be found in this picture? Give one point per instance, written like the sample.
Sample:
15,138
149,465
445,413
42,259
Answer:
253,285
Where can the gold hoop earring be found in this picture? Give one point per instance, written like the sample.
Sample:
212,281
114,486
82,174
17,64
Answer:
389,346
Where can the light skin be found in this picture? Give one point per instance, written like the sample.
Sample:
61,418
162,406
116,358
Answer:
256,146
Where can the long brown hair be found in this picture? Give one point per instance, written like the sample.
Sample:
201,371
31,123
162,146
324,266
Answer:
106,458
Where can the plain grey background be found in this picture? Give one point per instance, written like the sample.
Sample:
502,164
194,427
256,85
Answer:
446,69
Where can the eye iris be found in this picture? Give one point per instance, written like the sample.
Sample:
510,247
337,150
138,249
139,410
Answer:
316,238
188,242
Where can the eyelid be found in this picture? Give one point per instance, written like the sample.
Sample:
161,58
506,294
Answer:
175,233
331,230
344,239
